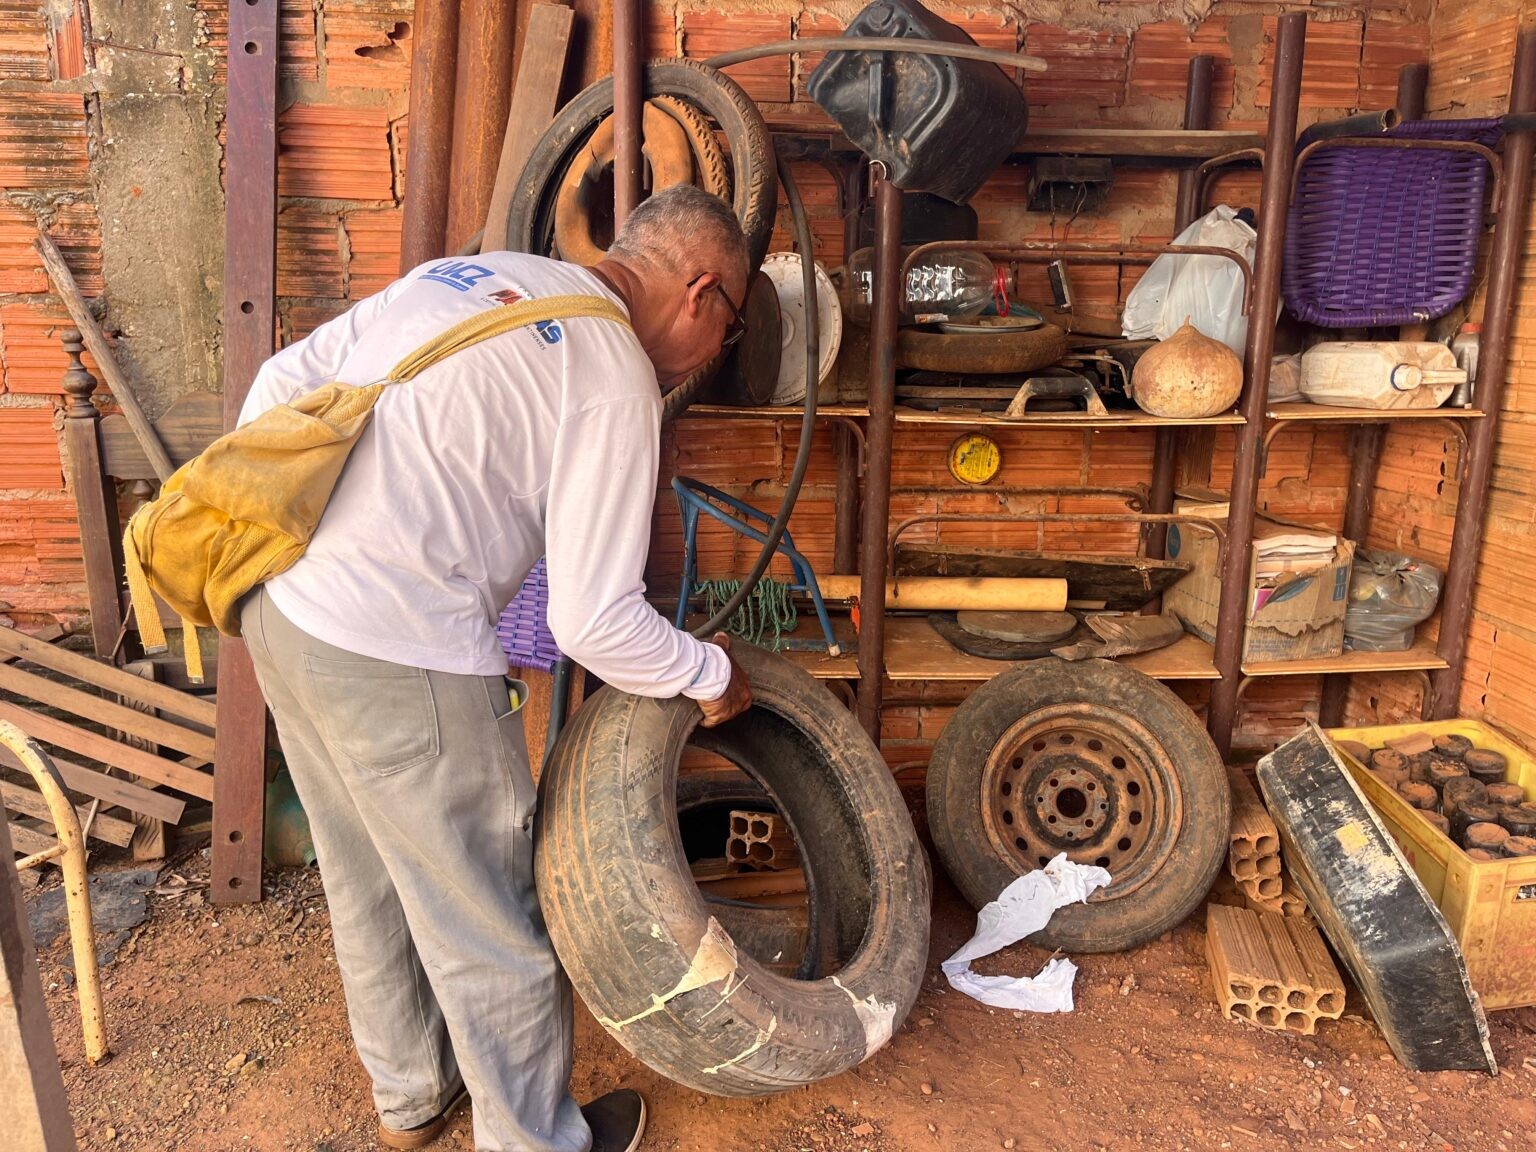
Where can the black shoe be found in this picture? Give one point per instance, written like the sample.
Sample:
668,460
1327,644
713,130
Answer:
617,1121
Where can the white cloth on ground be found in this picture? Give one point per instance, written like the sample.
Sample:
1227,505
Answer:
1022,908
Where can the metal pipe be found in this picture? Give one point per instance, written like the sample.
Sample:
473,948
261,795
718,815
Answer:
878,44
429,147
845,531
1493,359
885,302
482,94
560,691
628,107
1197,118
1204,171
77,896
1365,442
1279,160
1412,90
1360,124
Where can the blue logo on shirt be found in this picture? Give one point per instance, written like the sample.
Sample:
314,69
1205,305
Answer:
459,275
549,331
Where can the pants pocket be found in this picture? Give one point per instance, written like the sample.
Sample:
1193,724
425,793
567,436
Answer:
379,716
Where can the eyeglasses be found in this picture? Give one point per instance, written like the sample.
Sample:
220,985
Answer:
737,328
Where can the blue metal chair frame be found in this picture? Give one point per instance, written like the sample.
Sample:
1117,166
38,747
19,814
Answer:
694,497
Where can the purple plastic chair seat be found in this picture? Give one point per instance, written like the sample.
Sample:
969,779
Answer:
1380,236
524,625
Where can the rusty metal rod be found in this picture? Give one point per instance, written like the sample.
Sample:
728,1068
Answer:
482,94
1412,89
628,106
429,148
1498,314
878,44
845,530
1197,118
885,303
1279,161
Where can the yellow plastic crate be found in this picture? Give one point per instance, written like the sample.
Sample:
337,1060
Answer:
1490,906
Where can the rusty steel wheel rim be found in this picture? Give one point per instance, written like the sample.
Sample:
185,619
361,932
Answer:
1088,781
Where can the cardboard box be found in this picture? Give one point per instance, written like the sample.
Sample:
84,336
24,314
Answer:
1291,616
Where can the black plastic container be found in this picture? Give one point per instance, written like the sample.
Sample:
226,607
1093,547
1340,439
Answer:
938,124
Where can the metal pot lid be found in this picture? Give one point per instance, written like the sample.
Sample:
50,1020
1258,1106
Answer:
783,268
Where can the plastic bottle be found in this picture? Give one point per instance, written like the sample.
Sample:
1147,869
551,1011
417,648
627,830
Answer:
1379,374
945,283
1464,347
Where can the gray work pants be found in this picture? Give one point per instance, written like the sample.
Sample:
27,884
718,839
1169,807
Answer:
420,802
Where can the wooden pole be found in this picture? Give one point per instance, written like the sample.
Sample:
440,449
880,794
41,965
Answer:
96,342
34,1113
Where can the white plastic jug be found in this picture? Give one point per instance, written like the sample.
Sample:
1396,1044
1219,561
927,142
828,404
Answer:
1379,374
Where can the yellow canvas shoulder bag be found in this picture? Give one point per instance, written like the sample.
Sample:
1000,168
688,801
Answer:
245,509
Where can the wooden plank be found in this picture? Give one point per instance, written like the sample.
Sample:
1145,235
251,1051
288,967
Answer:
78,740
108,789
129,720
914,651
149,838
1324,412
27,842
30,803
18,644
1421,655
188,426
1057,420
535,93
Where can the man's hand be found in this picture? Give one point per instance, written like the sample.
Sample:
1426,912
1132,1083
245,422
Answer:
737,697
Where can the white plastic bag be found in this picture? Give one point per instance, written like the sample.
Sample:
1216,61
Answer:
1205,290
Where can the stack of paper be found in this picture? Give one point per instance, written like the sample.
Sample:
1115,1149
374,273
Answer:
1278,549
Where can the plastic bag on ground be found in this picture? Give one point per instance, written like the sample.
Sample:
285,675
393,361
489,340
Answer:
1023,908
1389,596
1205,290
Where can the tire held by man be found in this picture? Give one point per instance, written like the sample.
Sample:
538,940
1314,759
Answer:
635,936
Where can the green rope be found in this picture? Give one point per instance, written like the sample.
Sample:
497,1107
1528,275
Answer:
771,606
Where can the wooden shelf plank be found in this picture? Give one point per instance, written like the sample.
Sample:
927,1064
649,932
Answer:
1421,656
1323,412
1127,143
1057,420
914,651
780,412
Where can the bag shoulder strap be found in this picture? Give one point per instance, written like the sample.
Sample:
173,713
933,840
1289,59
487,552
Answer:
484,325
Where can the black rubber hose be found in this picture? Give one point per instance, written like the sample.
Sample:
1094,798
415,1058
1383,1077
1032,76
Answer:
808,422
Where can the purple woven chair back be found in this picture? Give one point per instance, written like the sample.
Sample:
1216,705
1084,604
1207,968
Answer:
524,625
1382,236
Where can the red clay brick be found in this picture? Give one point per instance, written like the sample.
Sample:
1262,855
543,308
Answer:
1086,66
1330,70
334,153
368,43
373,238
74,229
31,456
42,143
1160,55
308,253
707,34
24,36
34,359
296,39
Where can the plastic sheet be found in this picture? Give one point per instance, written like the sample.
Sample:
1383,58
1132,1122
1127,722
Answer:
1205,290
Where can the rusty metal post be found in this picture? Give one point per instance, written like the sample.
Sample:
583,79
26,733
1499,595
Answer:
1197,117
1493,358
845,531
429,148
1279,161
886,288
250,285
481,95
1412,89
628,103
1365,442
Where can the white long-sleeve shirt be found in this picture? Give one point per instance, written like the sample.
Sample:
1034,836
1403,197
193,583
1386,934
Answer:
541,441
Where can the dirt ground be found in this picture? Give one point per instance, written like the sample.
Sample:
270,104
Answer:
229,1032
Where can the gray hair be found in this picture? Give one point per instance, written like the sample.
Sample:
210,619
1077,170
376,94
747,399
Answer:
676,227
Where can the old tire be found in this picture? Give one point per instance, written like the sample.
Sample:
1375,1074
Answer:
1093,759
634,934
531,217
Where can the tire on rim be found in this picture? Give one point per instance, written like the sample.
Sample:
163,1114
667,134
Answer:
1095,760
634,934
531,216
